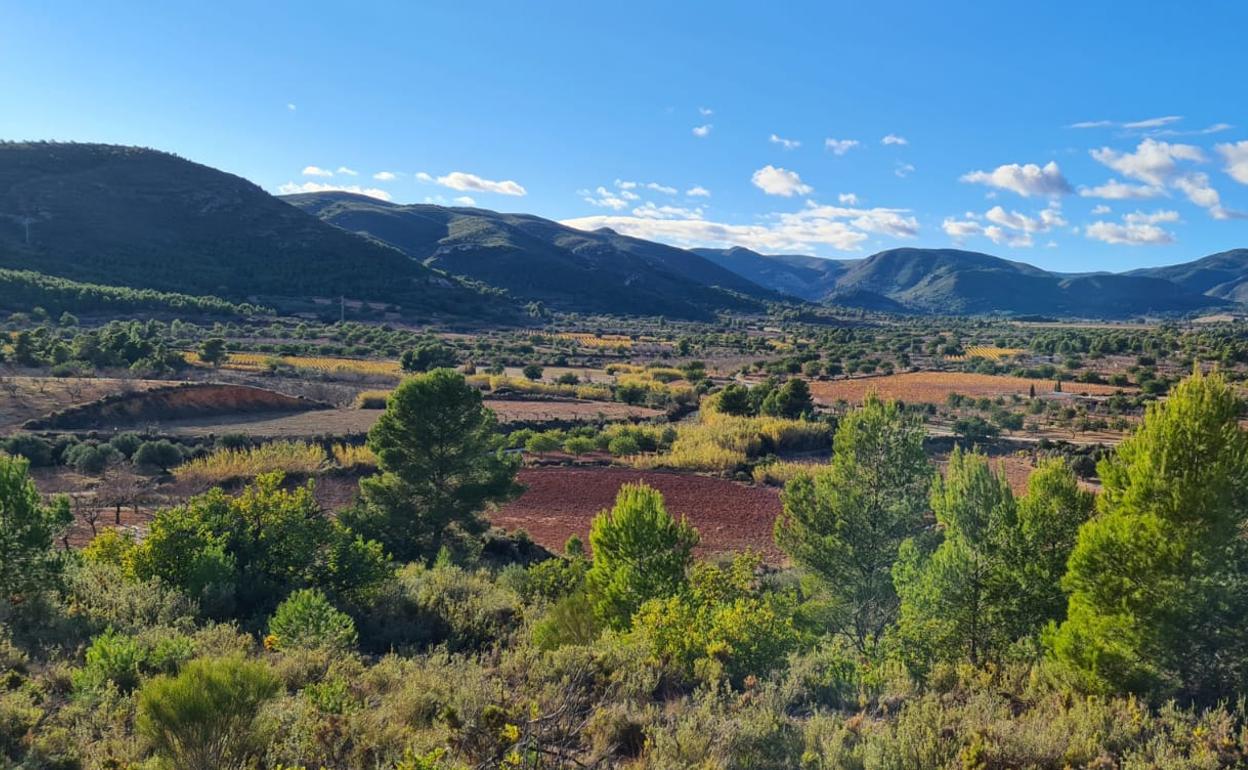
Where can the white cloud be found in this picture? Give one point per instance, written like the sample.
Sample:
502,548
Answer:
894,139
650,211
1130,125
1195,186
291,106
422,176
1100,210
705,112
788,144
1048,219
1153,162
779,181
608,199
1157,164
1010,228
385,176
702,131
841,228
903,170
465,200
1153,122
1137,229
1236,157
661,188
291,188
897,223
1026,180
465,182
1215,128
316,171
840,146
848,199
1117,191
698,191
347,171
624,185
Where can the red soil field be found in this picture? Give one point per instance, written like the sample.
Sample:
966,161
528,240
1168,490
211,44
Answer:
935,387
560,502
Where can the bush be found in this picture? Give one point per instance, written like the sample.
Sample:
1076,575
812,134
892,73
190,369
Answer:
114,658
38,451
307,620
205,717
91,458
543,442
443,604
124,659
158,454
579,445
126,443
623,445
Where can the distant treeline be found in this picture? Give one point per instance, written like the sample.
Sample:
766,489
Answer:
26,290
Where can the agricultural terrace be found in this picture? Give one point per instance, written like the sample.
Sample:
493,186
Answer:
260,362
936,387
988,352
729,516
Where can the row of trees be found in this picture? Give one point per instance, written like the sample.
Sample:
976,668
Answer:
1141,589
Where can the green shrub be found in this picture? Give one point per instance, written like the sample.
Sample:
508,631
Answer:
570,620
38,451
126,443
307,619
91,458
205,717
112,657
443,604
160,454
547,441
579,445
624,445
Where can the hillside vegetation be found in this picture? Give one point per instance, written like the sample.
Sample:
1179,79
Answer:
141,218
537,259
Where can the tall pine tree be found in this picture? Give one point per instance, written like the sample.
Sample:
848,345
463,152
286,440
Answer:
1158,581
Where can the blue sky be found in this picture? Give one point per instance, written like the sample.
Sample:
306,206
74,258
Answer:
1075,136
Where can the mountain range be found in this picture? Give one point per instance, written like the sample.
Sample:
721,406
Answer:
537,259
967,282
141,218
135,217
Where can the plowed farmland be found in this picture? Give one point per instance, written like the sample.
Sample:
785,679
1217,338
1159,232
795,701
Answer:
560,502
935,387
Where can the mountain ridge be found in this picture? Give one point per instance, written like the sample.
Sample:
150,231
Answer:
540,259
956,281
151,219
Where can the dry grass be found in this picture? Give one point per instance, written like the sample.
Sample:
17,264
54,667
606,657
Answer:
258,362
596,340
295,457
354,457
719,443
371,399
780,473
989,352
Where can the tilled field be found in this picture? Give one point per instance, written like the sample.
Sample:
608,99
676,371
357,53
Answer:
935,387
560,502
351,422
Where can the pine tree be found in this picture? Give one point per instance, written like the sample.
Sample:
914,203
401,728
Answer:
846,522
957,602
640,552
1158,582
441,464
